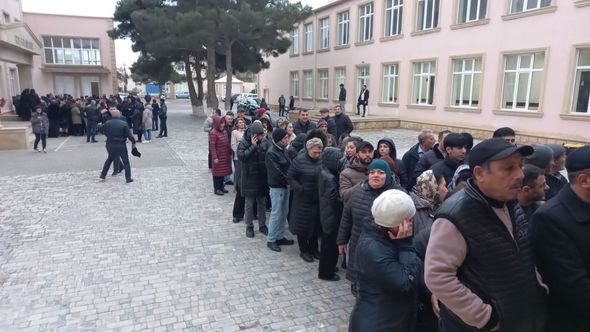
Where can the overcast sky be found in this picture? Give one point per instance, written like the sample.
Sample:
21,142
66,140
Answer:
104,8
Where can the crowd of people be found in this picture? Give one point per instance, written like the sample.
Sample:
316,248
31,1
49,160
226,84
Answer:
64,115
452,236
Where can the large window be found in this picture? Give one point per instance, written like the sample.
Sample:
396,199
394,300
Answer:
13,82
581,101
472,10
343,28
323,84
366,23
390,83
71,51
423,85
295,41
362,78
308,28
393,17
307,84
427,14
294,84
519,6
523,80
324,33
466,82
339,78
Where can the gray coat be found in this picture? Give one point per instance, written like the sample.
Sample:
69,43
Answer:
40,123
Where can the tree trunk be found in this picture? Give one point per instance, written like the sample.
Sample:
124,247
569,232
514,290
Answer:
199,78
212,102
196,102
228,75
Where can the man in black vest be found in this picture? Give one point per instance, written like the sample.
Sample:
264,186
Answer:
363,101
479,260
561,236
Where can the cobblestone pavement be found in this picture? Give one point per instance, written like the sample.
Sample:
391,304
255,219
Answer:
160,254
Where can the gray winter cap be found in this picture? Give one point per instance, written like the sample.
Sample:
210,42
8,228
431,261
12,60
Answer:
541,157
256,128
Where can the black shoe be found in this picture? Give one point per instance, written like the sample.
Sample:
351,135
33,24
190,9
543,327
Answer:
273,246
306,257
164,135
224,191
249,232
336,269
285,242
263,230
229,183
94,141
218,192
159,136
315,255
102,179
334,278
235,220
129,180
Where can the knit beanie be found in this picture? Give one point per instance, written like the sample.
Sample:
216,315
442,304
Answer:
382,165
314,142
541,157
278,134
392,207
256,128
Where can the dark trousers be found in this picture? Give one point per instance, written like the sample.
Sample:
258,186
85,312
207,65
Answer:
309,245
43,138
281,110
117,166
139,135
239,204
116,151
358,108
91,131
77,129
328,256
155,123
217,182
163,127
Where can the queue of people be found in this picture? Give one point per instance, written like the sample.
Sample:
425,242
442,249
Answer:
451,237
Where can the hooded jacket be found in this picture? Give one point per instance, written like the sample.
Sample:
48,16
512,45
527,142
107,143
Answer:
220,149
303,178
252,158
396,165
354,174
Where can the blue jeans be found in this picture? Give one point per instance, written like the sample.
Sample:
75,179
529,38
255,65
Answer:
279,198
91,131
148,134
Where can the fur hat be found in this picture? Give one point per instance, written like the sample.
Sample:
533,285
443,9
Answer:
392,207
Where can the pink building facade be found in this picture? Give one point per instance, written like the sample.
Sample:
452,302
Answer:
78,57
467,64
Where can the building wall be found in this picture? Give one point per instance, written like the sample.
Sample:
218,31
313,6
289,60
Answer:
555,30
73,26
13,9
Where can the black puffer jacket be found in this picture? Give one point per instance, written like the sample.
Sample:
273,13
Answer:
252,157
388,279
277,164
428,159
400,170
446,168
296,146
356,213
330,202
303,178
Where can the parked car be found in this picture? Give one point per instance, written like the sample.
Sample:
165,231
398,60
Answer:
250,105
123,95
182,95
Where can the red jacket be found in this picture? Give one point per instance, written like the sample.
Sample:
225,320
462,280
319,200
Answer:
220,148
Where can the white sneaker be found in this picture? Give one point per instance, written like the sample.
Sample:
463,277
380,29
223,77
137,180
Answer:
36,149
44,151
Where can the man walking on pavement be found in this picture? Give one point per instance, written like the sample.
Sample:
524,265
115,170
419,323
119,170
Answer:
363,100
117,132
561,238
342,98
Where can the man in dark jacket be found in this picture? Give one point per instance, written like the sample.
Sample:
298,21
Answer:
356,171
491,286
561,237
252,154
277,165
325,115
163,114
426,141
363,100
436,154
117,132
532,194
455,148
343,123
555,180
342,98
303,125
92,116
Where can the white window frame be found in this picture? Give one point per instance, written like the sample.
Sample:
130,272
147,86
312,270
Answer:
339,77
427,72
78,56
294,80
295,41
366,20
308,30
324,33
343,28
466,71
421,22
323,83
525,4
362,79
518,71
481,9
390,83
308,84
577,77
393,9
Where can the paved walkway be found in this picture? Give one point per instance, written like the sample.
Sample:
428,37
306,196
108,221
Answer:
160,254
